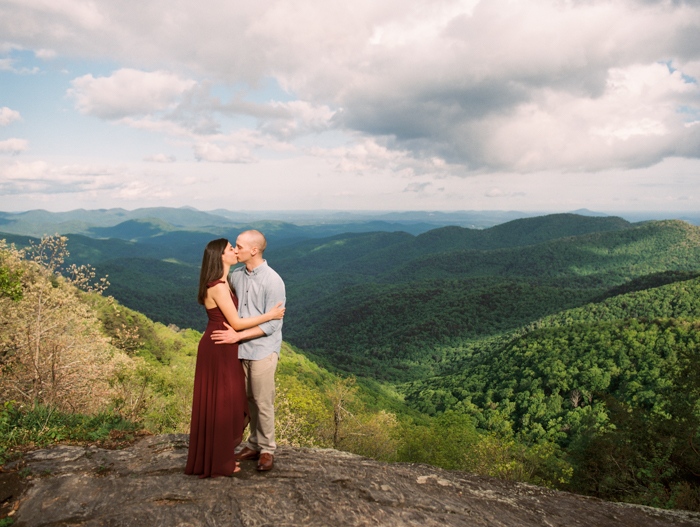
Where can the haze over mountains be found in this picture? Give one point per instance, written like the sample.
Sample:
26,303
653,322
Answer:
121,223
143,223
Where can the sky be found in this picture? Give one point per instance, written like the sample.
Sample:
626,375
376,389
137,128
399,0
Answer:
528,105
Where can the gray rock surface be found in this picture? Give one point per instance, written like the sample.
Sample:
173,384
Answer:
144,485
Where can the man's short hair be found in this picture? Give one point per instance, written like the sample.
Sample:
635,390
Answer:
257,239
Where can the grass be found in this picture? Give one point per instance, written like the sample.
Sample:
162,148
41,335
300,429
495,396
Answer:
23,428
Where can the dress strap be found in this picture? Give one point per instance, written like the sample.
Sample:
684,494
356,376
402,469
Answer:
212,284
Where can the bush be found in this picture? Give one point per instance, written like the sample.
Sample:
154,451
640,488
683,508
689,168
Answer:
452,441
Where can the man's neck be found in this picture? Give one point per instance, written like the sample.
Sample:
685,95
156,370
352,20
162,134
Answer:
252,264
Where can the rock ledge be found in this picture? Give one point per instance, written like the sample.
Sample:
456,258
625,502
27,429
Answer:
144,485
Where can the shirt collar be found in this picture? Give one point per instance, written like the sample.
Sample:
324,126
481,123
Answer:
257,270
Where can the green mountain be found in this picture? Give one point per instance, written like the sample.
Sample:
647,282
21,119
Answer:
41,222
365,255
134,230
393,305
430,312
289,228
615,384
619,346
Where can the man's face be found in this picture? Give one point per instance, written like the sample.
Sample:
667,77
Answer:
243,249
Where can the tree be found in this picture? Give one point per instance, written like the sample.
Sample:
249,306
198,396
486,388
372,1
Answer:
341,395
10,273
52,351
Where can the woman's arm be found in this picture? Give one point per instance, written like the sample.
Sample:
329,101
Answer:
231,336
221,294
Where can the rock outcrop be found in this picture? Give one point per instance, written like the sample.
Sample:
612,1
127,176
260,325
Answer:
144,484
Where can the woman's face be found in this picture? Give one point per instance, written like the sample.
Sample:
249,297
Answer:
229,257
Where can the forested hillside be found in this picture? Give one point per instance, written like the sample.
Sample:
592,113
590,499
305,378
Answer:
537,352
426,313
399,306
615,383
78,368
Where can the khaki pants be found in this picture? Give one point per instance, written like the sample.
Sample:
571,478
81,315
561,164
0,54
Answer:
260,388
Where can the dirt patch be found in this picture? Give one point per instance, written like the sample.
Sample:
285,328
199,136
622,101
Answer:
12,485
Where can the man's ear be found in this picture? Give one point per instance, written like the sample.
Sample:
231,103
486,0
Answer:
253,251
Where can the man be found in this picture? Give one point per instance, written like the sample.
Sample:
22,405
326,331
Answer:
258,289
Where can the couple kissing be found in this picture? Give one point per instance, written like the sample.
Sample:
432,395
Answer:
234,382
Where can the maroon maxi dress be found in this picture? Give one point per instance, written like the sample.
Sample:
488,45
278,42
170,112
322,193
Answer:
220,406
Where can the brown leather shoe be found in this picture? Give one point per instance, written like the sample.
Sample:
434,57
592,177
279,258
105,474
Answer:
265,462
248,453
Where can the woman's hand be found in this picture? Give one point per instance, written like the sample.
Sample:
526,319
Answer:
225,336
277,312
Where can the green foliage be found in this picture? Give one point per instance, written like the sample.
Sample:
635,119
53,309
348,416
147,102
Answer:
674,300
163,291
453,442
659,453
301,414
51,350
418,307
605,258
43,426
620,397
646,456
10,273
544,382
398,332
556,351
651,281
10,284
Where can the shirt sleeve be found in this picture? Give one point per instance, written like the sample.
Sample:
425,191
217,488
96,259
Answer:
274,294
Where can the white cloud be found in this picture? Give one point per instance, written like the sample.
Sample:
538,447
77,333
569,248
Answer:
128,92
633,122
40,176
45,54
14,146
159,158
301,118
498,193
8,116
6,64
369,154
491,85
417,187
115,181
157,126
135,189
205,151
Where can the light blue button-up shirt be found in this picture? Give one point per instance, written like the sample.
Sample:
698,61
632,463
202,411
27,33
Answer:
258,291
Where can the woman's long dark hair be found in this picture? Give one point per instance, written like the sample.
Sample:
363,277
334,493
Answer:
212,266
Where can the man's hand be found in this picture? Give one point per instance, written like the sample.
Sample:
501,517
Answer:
225,336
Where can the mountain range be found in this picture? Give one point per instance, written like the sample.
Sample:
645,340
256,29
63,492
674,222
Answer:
395,305
569,340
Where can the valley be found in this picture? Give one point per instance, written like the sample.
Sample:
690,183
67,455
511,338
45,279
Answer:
569,332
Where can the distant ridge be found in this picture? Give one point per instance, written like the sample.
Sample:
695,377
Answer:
586,212
134,230
80,221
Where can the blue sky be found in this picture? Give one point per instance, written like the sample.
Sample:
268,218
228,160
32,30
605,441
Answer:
531,105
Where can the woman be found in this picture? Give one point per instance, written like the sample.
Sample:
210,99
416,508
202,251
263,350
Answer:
220,407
